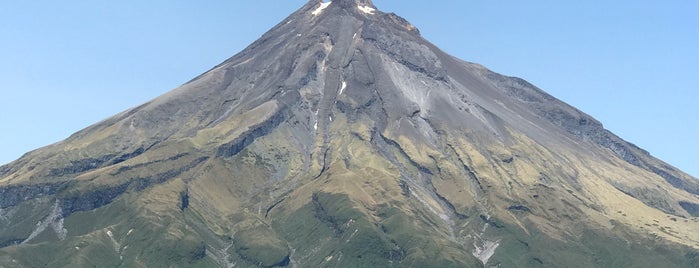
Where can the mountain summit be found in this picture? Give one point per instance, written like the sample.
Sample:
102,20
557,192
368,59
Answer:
342,138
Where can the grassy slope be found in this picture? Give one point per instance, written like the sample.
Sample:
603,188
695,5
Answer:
261,208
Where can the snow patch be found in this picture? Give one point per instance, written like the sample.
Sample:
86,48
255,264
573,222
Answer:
320,8
367,9
117,245
342,89
315,118
485,251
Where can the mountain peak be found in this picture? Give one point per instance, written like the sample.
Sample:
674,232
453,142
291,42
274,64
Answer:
364,6
347,3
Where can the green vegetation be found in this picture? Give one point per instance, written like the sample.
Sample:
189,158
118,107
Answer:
260,246
346,238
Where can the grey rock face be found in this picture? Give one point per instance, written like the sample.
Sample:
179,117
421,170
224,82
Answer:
348,4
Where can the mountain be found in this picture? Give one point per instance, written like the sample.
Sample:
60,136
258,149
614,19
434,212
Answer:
342,138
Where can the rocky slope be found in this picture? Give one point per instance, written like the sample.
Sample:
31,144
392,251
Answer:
342,138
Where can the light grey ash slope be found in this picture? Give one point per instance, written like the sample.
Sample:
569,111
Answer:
342,138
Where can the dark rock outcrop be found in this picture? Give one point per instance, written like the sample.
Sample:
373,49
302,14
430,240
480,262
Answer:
691,208
12,195
92,200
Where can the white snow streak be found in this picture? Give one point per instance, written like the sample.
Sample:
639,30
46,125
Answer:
320,8
342,89
484,252
315,125
483,249
117,245
367,9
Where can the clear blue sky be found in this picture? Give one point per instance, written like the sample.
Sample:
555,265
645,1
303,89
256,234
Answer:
634,65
